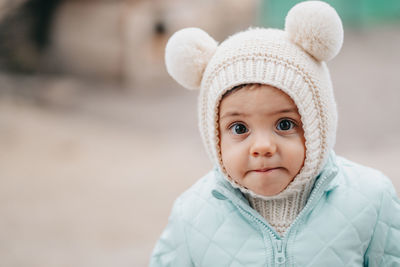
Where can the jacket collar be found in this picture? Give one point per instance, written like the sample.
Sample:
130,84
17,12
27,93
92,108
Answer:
331,169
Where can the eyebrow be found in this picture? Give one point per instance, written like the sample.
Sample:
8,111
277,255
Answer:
233,114
237,114
286,110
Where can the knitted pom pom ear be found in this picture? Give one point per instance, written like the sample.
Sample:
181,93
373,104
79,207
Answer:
315,26
187,54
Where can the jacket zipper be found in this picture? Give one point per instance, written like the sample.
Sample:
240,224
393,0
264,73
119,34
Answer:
280,254
277,242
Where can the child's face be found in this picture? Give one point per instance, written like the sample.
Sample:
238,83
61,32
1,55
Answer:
262,141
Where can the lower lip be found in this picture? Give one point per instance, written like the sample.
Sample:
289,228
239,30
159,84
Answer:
267,171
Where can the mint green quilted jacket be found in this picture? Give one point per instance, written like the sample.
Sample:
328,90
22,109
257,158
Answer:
352,218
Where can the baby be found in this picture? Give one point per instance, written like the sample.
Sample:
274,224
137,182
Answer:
278,195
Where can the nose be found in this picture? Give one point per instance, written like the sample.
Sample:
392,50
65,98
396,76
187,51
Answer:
263,146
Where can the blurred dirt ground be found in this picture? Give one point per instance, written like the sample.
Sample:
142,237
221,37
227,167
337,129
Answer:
89,172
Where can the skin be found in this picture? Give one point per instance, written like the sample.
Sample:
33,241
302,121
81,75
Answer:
261,138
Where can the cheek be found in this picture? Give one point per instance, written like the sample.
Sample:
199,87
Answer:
227,153
232,156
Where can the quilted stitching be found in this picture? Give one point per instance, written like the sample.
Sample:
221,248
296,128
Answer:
368,207
327,245
206,232
388,249
214,249
211,233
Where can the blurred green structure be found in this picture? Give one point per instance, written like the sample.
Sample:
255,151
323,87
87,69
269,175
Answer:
356,13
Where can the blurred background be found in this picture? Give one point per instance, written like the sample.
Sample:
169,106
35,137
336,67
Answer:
96,140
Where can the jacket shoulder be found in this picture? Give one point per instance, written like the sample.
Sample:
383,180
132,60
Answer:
367,181
198,203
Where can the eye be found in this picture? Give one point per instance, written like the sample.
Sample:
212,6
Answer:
239,128
285,125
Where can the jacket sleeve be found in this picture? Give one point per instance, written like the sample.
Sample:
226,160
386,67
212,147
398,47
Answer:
171,249
384,248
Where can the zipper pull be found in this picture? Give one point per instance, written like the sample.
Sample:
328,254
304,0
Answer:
279,255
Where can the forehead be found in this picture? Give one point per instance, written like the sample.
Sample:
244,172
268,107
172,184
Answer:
256,98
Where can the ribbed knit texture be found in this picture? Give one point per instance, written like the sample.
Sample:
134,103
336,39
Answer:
280,213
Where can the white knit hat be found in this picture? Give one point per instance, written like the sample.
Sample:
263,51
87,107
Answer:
292,60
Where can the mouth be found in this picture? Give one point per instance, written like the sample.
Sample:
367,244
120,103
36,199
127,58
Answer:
266,170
